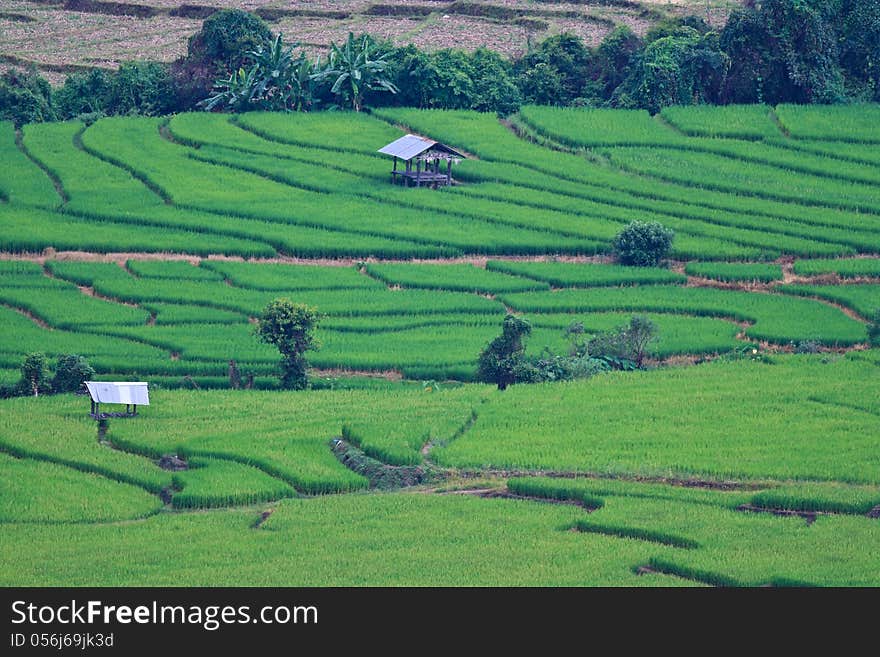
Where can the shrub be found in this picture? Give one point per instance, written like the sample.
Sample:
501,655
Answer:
551,367
624,344
70,373
83,93
643,244
141,88
25,97
502,361
290,327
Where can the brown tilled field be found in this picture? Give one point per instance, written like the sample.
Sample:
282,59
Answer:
61,36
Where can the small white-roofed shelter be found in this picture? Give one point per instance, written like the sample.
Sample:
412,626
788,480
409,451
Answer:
132,394
425,153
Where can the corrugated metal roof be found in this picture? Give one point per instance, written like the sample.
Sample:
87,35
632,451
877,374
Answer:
119,392
408,146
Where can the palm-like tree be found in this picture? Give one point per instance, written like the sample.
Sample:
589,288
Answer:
354,71
276,80
273,66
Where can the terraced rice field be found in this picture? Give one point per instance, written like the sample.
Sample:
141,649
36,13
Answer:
149,246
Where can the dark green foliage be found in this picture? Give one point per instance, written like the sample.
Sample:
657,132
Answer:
542,84
83,93
502,361
614,59
226,37
219,49
453,79
685,68
141,88
442,80
566,61
34,375
643,244
628,343
70,373
677,27
290,327
782,51
25,97
859,43
494,88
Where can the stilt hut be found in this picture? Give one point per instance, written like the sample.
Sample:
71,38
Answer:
132,394
425,162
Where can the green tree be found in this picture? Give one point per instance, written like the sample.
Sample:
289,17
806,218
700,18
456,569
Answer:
83,93
226,37
685,68
643,244
141,88
494,87
354,69
70,373
859,42
614,59
503,358
217,51
25,97
34,375
782,51
290,327
566,56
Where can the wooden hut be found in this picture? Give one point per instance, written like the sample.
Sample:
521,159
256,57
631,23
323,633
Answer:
424,160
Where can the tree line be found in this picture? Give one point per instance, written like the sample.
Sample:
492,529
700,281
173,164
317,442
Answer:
769,51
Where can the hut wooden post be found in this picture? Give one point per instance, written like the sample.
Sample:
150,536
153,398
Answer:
423,161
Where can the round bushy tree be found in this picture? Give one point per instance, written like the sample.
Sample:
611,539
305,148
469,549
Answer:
227,36
502,358
643,244
71,372
290,327
34,375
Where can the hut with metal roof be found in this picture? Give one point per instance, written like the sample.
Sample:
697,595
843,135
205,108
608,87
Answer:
132,394
423,160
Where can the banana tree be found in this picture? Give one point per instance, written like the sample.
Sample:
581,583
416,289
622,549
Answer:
233,94
275,65
276,80
354,71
